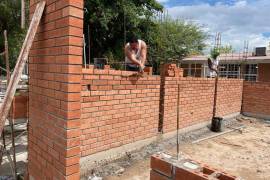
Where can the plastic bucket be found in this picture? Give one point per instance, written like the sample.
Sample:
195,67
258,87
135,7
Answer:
217,123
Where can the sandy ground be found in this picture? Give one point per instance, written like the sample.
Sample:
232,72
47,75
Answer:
243,153
21,150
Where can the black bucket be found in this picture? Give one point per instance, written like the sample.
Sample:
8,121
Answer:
217,123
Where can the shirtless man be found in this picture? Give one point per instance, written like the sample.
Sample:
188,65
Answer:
135,52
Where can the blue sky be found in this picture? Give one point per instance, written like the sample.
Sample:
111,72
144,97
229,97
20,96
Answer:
237,20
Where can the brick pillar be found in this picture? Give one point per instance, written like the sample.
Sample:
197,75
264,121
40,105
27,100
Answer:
168,73
55,74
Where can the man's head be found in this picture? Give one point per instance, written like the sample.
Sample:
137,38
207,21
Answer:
134,43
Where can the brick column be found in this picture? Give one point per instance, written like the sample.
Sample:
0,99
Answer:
170,76
55,75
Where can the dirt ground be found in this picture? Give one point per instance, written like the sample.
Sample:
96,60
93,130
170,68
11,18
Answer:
244,153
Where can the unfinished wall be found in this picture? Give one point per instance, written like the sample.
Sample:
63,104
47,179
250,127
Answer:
256,99
117,108
55,75
196,100
264,72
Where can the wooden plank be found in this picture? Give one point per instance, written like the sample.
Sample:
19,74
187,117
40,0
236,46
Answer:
22,14
7,56
15,78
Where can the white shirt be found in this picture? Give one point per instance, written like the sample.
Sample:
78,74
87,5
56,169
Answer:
137,54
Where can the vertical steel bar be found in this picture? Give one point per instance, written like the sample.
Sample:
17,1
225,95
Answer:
178,106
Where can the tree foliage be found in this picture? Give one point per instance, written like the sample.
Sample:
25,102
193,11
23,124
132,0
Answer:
10,18
174,39
226,49
110,24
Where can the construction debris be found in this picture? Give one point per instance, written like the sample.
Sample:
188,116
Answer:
117,167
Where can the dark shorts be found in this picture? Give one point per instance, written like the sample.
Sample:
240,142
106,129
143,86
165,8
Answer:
128,68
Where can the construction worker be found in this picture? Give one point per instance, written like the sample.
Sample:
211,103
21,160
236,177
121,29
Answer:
135,54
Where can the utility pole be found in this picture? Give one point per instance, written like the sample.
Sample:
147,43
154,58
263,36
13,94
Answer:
22,14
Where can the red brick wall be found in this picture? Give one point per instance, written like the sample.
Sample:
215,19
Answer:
229,96
117,109
256,98
196,100
264,72
19,106
55,75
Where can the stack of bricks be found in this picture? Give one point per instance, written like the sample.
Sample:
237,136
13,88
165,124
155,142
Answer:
20,106
118,107
196,99
256,98
55,91
166,167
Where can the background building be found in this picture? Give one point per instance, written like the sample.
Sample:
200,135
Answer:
253,66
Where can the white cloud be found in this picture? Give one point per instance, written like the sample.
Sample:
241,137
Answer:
238,22
162,1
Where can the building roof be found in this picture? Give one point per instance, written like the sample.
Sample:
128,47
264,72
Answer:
232,58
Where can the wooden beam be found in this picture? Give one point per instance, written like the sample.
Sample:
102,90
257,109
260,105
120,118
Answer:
7,56
22,14
15,78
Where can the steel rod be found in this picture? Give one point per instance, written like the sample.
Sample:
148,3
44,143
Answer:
178,106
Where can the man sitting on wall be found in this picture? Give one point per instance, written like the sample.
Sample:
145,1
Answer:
135,54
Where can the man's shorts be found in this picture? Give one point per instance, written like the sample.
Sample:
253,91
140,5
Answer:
128,68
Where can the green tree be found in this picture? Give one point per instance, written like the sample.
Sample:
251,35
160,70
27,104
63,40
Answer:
110,22
226,49
174,39
10,17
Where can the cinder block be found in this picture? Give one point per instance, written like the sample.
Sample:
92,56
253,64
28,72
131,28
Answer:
157,176
161,166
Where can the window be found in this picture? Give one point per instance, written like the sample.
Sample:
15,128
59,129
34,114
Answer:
194,70
229,70
251,72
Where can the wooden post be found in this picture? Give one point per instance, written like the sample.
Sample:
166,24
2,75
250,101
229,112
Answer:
22,14
7,56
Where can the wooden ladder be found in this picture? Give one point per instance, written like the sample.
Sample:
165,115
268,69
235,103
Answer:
15,77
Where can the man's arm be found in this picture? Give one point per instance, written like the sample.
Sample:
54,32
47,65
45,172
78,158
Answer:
131,56
143,53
